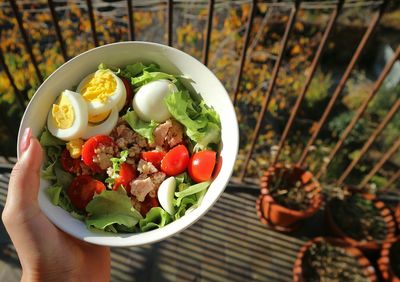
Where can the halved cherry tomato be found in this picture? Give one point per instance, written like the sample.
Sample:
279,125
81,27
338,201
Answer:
82,189
126,174
148,203
70,164
129,91
201,165
155,157
175,161
89,147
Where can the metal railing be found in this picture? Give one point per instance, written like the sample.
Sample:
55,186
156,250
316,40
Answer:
295,6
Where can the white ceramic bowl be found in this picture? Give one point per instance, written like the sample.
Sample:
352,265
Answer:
171,61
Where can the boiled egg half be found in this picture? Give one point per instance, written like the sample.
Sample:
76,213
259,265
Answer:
68,118
102,91
149,102
165,194
104,127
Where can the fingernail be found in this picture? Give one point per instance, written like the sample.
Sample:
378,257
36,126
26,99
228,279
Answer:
26,139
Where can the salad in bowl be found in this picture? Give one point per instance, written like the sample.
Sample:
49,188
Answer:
140,141
130,149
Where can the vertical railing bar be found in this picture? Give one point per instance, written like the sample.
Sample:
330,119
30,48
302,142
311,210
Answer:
20,97
389,153
206,44
54,18
11,129
244,51
392,180
27,44
309,78
369,142
342,83
92,22
170,11
360,111
270,88
131,24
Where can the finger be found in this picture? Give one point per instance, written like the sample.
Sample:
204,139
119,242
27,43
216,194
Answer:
25,176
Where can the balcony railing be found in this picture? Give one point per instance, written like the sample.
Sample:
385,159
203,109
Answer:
265,93
311,81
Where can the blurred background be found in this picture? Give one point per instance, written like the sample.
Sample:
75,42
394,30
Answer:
315,83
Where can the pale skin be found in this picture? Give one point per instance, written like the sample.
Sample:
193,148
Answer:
45,252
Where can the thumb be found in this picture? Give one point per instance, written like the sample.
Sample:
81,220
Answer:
25,176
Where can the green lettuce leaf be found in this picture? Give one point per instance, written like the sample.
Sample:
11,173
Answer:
111,207
47,139
201,122
115,70
155,218
116,166
134,70
184,205
53,192
63,178
58,197
194,189
143,128
147,77
48,172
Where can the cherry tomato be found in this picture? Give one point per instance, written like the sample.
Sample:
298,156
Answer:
126,174
82,189
89,147
155,157
201,165
148,203
70,164
129,91
175,161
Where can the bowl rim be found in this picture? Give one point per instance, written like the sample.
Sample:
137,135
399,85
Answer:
173,227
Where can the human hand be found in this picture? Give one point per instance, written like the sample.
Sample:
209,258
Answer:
45,252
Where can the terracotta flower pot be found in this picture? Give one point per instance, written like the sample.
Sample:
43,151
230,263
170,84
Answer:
364,245
384,262
273,213
367,269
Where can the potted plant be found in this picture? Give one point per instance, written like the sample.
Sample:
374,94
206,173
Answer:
289,194
328,259
389,262
360,219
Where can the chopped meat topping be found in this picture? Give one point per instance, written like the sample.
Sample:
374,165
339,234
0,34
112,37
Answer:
136,204
103,154
141,187
146,167
125,137
168,134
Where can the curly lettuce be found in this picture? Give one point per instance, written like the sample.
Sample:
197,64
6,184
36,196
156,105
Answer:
143,128
155,218
202,123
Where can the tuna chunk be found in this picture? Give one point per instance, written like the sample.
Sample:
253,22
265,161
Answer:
141,187
168,134
146,167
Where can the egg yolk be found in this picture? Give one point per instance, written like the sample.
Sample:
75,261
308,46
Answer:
63,113
75,148
101,86
99,117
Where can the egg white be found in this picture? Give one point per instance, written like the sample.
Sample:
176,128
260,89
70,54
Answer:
149,102
116,99
165,194
80,122
103,128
